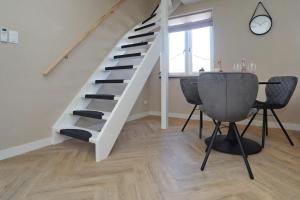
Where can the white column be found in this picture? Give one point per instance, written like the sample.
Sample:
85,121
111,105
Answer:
170,4
164,64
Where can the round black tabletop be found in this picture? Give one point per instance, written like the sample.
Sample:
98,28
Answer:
268,83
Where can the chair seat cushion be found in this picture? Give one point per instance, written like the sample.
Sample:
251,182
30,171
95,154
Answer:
262,105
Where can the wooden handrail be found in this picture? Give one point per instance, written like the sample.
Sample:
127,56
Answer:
81,38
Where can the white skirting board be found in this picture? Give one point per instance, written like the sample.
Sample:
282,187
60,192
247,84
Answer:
137,116
25,148
271,124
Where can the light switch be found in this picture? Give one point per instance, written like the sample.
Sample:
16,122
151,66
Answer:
3,34
13,37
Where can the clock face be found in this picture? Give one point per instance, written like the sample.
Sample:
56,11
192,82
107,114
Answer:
260,24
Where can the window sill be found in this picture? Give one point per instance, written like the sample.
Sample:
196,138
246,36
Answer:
172,76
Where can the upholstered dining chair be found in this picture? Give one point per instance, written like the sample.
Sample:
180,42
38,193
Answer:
278,97
190,91
228,97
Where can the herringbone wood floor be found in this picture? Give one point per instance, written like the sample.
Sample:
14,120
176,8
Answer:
150,164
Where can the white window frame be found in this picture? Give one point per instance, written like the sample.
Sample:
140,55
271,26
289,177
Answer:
188,55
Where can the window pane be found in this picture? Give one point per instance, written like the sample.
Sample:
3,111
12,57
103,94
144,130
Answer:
201,57
177,52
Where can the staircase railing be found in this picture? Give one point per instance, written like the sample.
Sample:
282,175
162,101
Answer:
81,38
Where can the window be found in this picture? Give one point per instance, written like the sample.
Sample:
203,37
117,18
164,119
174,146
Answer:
190,40
177,49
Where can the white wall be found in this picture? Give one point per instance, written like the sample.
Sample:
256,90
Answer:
31,103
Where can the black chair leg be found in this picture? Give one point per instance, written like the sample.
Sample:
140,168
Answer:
243,152
236,128
201,124
267,129
219,130
283,129
210,145
216,125
246,128
263,129
187,121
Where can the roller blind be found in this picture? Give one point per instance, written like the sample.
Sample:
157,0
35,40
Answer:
191,21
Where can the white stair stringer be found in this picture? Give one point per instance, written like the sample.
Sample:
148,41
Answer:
113,126
112,121
79,103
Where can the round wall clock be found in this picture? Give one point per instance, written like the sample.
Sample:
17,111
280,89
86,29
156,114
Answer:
260,24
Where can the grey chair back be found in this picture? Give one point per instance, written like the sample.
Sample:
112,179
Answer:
227,97
279,95
190,90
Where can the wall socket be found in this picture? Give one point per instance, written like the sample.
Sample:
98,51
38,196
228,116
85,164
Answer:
13,37
8,36
3,34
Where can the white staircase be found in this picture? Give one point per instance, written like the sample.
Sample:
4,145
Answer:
111,92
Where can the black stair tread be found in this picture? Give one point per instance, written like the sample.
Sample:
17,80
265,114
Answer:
119,67
77,133
89,113
128,55
155,10
144,27
134,45
141,35
109,81
149,18
100,96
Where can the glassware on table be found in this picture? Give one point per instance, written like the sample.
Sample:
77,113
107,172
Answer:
218,67
201,71
237,67
252,68
244,66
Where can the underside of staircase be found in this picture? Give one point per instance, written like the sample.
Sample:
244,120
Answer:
99,111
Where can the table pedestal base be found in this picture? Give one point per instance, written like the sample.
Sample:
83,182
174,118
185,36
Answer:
228,144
